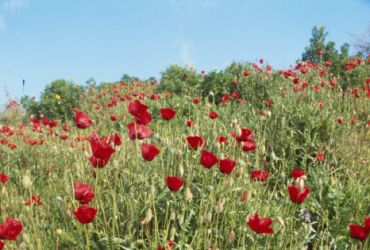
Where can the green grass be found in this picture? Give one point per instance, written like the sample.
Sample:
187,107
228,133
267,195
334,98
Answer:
137,211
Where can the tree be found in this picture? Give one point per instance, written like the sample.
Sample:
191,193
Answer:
328,49
57,100
317,43
362,43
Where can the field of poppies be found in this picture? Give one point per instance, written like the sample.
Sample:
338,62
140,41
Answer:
139,168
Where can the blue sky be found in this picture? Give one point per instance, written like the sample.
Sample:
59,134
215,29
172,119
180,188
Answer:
42,40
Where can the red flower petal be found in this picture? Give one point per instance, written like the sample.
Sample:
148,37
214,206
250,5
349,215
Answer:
85,214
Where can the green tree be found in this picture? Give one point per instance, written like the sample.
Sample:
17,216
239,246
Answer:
56,101
330,53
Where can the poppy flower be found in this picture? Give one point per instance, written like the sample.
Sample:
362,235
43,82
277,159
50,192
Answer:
367,223
101,151
244,196
358,232
138,131
269,103
227,165
66,127
259,175
195,141
340,120
208,159
196,100
82,120
260,225
83,192
64,136
113,118
1,245
4,178
140,113
149,151
33,200
297,195
320,156
85,214
174,183
249,145
297,172
167,113
10,229
136,107
213,115
189,123
52,124
246,134
221,139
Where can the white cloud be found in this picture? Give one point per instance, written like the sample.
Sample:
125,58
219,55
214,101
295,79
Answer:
13,5
2,24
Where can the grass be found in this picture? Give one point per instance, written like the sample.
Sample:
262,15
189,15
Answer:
137,211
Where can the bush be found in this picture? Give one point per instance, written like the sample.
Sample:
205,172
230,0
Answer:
56,101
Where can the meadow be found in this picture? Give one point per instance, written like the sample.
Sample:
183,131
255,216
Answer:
267,159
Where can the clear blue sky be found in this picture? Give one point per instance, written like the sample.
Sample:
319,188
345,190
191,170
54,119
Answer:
43,40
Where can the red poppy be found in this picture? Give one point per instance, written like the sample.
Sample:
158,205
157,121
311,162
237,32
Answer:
140,113
221,139
213,115
358,232
1,245
101,151
367,223
52,124
83,192
208,159
136,107
244,196
64,136
10,229
235,95
340,120
4,178
249,146
168,246
297,195
189,123
297,172
196,100
149,151
195,141
320,156
246,73
269,103
33,200
82,120
66,127
227,165
138,131
259,175
115,139
113,118
260,225
174,183
167,113
245,135
85,214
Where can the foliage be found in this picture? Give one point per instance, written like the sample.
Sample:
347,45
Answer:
321,51
56,101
